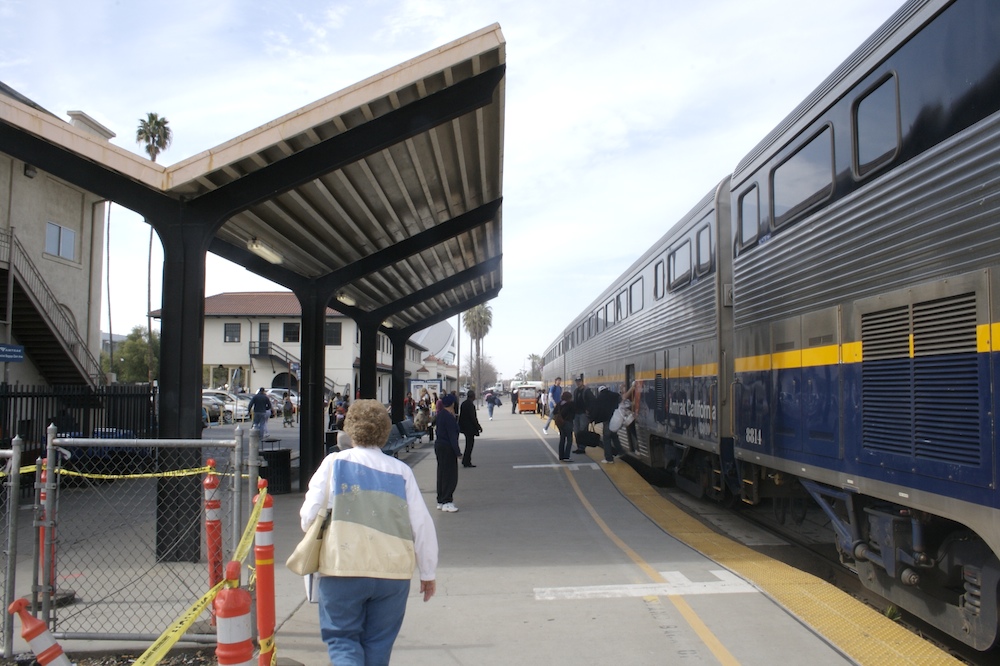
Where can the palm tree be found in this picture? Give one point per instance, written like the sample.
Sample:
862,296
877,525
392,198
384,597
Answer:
478,321
155,132
536,366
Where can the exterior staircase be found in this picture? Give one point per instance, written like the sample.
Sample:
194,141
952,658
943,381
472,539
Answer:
49,337
273,352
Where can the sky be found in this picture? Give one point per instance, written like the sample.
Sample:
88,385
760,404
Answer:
620,114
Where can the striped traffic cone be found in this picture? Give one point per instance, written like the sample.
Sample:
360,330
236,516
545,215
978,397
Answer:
33,630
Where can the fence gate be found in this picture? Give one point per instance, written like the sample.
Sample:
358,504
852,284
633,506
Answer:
129,533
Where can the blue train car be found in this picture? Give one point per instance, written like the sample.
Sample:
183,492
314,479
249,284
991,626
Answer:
866,268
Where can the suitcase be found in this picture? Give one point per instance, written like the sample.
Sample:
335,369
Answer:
585,438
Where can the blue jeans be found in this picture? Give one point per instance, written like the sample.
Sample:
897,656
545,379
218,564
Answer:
610,440
359,618
552,416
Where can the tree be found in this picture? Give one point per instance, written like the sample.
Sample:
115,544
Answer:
132,357
484,369
155,132
478,322
536,367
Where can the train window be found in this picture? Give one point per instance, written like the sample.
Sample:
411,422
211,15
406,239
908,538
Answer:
749,216
876,127
658,283
635,296
704,250
622,305
804,179
680,265
609,314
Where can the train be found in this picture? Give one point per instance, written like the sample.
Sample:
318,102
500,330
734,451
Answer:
824,325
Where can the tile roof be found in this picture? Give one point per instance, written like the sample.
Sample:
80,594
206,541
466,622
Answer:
257,304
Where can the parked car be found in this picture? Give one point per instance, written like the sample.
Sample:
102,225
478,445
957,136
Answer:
278,395
215,408
238,408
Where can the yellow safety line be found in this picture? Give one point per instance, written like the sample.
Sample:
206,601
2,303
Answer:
860,632
688,613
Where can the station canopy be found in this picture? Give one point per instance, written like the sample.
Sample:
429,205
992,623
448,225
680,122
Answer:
388,191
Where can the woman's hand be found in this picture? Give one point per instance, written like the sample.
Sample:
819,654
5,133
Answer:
428,588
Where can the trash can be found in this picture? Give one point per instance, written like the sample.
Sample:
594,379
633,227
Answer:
278,471
331,442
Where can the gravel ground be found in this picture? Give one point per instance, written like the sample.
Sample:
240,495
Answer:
197,658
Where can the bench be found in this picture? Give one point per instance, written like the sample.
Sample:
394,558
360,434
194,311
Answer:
410,431
401,438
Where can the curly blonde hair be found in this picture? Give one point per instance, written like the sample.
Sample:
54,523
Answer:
367,423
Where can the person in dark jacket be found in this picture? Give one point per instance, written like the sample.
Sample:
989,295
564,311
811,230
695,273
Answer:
468,425
448,452
605,405
582,398
563,414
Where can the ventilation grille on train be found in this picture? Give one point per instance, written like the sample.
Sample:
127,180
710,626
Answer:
928,406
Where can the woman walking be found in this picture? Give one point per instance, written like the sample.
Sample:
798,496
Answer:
363,590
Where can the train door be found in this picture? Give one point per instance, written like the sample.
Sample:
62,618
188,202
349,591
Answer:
633,440
786,371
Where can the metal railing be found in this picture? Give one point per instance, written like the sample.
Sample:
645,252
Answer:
273,350
48,305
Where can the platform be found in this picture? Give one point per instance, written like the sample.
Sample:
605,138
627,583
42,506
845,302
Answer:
583,563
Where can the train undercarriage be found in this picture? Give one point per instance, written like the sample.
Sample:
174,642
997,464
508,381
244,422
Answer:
936,569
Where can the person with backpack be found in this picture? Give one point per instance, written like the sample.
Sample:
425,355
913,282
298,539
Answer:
491,401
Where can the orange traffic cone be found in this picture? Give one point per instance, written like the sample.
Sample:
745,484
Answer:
33,630
232,611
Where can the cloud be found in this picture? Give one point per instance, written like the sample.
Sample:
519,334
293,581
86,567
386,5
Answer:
619,118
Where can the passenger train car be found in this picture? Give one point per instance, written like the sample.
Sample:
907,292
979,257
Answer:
823,321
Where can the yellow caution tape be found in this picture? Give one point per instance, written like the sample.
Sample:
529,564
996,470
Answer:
243,549
159,649
149,475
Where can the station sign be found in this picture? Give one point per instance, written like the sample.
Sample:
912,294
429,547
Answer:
11,353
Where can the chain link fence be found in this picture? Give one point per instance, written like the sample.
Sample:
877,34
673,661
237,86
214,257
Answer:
118,533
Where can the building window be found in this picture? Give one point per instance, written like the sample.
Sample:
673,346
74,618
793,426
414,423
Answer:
290,332
876,126
804,179
60,241
264,332
231,332
332,333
